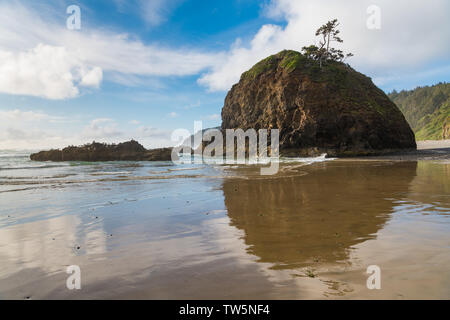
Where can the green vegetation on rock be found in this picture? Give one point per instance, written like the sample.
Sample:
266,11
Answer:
290,60
261,67
287,59
427,110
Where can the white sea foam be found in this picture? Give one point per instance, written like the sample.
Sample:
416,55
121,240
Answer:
187,158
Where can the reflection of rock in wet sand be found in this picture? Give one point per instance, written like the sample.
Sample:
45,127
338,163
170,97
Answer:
317,217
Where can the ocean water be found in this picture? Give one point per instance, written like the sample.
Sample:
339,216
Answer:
159,230
19,173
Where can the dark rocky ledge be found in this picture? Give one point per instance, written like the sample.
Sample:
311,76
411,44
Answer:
126,151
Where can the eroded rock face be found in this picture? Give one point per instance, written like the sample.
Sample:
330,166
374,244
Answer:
333,110
126,151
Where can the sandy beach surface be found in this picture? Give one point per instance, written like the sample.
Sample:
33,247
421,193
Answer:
195,231
433,144
426,150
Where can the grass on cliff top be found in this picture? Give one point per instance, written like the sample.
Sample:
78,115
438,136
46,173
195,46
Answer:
337,75
290,60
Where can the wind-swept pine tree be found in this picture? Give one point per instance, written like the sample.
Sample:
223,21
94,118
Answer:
324,52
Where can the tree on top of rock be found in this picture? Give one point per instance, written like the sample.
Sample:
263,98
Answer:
324,52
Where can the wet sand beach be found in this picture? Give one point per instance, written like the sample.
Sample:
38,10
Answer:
160,231
426,150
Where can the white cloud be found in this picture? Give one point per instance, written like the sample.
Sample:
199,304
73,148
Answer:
24,129
16,115
155,12
151,132
37,130
92,78
103,128
413,34
45,59
152,137
45,71
173,114
213,117
17,134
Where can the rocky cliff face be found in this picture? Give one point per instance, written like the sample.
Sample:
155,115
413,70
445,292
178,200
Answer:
446,129
333,110
126,151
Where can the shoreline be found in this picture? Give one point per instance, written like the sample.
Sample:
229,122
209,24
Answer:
426,150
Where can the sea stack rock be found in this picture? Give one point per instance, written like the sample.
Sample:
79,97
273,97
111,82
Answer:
334,109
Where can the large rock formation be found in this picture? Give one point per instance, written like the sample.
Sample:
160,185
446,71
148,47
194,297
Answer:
333,110
126,151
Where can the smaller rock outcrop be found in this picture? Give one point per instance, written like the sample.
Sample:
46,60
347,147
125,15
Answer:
126,151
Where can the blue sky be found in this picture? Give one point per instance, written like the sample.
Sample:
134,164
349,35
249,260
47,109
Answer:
140,69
